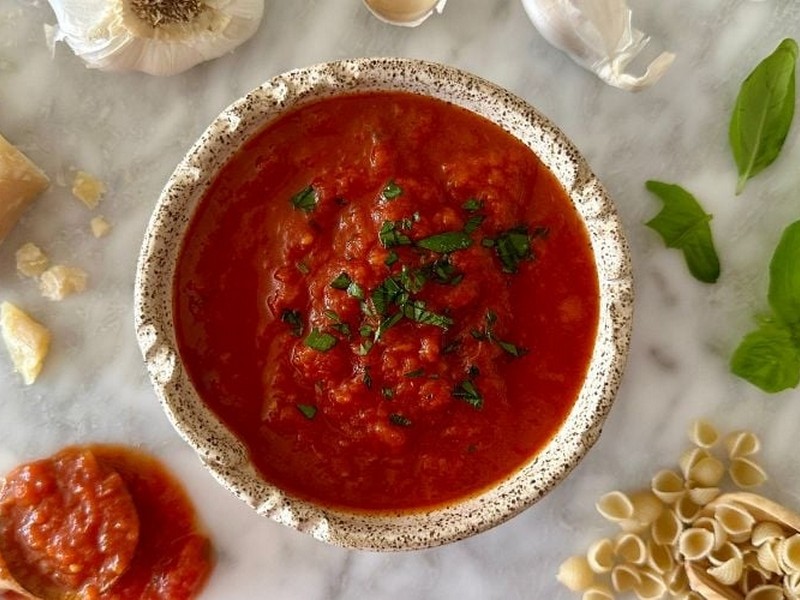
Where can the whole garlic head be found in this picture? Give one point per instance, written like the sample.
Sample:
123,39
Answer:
599,36
159,37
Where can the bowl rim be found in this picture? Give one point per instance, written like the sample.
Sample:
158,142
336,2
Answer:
226,457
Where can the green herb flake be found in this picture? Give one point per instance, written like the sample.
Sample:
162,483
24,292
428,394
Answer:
387,324
342,281
412,280
512,349
488,242
294,320
472,205
473,223
763,112
414,373
399,420
309,411
467,392
387,393
320,341
303,267
306,199
389,236
391,258
366,331
684,225
769,357
391,191
356,291
364,347
416,311
449,241
513,247
367,378
388,292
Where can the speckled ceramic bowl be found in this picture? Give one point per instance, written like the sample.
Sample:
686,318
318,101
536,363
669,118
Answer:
220,450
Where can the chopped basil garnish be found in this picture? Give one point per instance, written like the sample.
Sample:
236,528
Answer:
467,392
392,191
320,341
387,393
355,290
294,320
487,242
303,268
309,411
513,247
412,280
306,199
512,349
387,324
388,292
399,420
473,223
367,378
389,235
450,241
366,331
364,347
416,311
414,373
342,281
472,205
443,271
391,258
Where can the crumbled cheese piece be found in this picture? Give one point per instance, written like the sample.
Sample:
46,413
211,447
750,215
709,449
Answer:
59,281
20,182
31,261
88,189
27,341
100,227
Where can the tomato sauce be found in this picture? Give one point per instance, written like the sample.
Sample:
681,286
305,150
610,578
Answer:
103,523
389,299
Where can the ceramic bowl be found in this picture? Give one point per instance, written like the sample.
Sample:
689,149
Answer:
226,457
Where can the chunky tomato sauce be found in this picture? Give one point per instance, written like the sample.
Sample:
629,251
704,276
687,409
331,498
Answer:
103,523
389,299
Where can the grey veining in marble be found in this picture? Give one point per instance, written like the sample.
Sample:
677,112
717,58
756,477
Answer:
131,130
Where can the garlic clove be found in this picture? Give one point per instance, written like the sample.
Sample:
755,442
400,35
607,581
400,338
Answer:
405,13
159,37
599,36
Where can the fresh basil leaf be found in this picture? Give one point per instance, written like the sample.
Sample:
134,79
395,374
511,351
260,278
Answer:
391,258
472,205
416,311
387,324
683,224
342,281
387,393
303,267
392,191
367,378
769,358
473,223
449,241
763,112
309,410
467,392
320,341
389,235
784,278
399,420
306,199
512,247
294,320
512,349
388,292
355,290
413,280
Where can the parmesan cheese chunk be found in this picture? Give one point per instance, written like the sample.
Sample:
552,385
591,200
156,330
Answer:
100,227
59,281
88,189
31,261
20,182
27,341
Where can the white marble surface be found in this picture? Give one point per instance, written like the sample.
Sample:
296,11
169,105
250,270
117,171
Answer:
131,130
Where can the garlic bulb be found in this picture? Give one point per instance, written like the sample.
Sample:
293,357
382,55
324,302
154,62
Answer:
406,13
598,35
160,37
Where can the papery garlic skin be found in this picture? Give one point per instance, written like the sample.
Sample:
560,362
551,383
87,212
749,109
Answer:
108,35
599,36
405,13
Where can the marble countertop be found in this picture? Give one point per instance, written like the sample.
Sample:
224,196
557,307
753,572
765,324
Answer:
131,130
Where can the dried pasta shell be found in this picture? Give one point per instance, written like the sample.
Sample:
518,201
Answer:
724,553
788,552
598,592
695,543
690,458
575,574
631,549
687,510
741,443
791,584
703,434
666,529
720,535
765,592
668,486
707,472
625,578
768,558
615,506
677,582
600,556
729,572
745,473
766,531
703,495
659,558
646,507
706,586
650,587
753,577
735,520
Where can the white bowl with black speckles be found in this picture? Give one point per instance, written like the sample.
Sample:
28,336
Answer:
226,457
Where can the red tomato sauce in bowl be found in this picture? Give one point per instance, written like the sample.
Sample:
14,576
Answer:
389,299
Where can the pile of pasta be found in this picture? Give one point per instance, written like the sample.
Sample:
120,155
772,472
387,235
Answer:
684,538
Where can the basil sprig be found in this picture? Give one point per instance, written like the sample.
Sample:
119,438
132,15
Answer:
306,199
769,356
763,112
683,224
